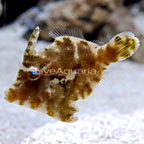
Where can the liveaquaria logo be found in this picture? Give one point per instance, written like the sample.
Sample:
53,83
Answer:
69,71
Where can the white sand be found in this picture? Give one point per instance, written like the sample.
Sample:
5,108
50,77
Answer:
113,114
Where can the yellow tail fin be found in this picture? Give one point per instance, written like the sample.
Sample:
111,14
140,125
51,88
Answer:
125,44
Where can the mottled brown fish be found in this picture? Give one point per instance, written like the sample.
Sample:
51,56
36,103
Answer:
52,79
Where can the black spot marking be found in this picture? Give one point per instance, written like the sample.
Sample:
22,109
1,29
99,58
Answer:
117,39
33,37
30,43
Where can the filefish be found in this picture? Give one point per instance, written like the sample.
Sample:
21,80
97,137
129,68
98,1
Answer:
52,79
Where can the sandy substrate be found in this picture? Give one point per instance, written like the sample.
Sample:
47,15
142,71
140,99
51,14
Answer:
113,114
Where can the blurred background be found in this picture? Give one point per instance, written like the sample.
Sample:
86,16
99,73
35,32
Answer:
114,113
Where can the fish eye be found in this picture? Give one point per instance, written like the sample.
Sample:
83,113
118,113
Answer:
33,73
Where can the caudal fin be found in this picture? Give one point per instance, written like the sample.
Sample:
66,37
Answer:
125,45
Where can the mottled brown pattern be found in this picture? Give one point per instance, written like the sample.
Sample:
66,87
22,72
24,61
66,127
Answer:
56,92
59,102
66,56
107,55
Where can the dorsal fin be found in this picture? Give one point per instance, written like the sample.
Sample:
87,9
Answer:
69,31
97,42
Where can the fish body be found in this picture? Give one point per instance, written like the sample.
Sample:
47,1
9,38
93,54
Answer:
52,79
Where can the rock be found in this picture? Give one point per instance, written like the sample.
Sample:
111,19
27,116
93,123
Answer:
89,15
99,19
37,16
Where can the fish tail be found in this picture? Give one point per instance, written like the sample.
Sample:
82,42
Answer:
121,47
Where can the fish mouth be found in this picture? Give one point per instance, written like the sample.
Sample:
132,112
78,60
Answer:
11,95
